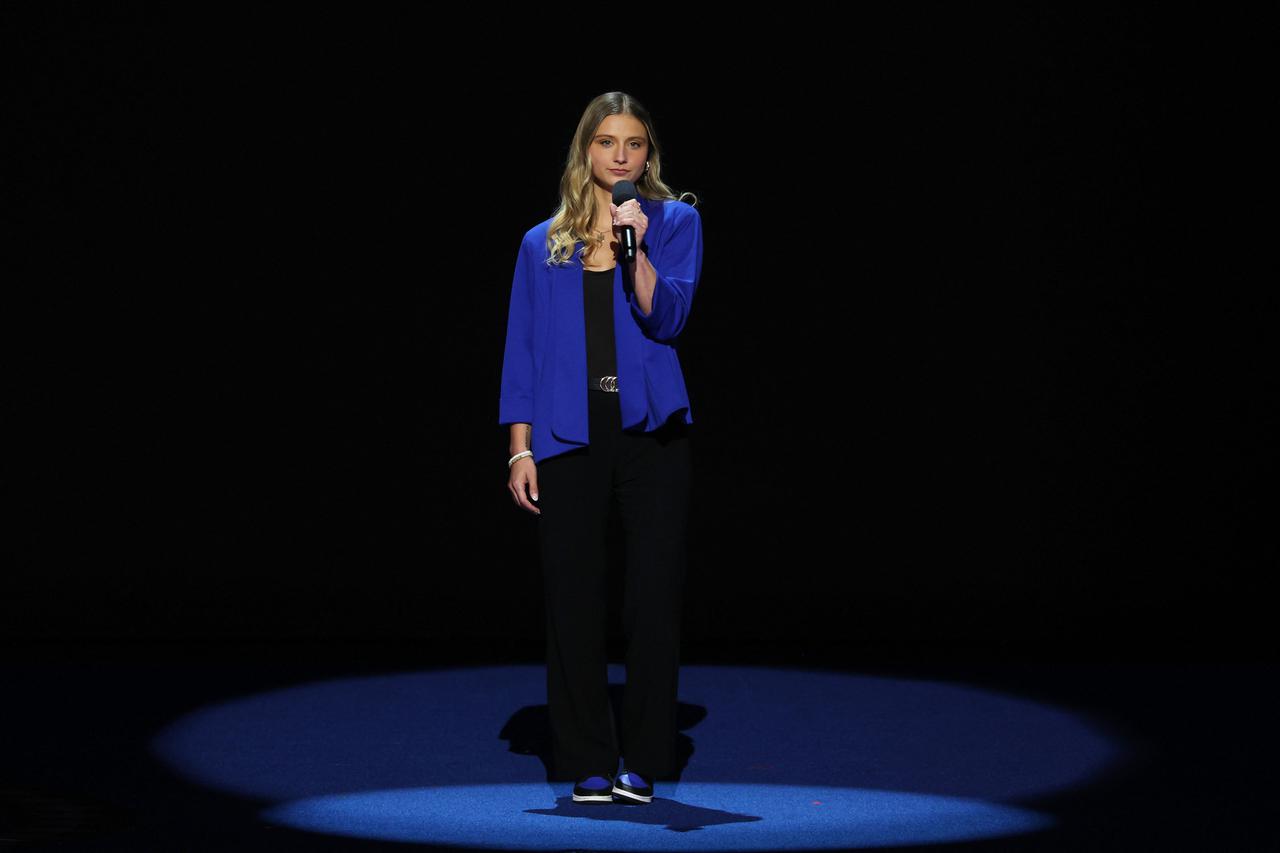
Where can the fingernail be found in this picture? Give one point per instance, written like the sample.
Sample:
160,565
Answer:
535,496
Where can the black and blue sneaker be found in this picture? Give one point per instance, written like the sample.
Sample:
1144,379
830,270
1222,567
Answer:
594,789
630,787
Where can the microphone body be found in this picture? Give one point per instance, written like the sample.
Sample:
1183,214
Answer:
624,191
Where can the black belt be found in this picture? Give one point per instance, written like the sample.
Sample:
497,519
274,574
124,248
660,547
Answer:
603,383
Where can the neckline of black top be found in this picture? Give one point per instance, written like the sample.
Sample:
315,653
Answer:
610,269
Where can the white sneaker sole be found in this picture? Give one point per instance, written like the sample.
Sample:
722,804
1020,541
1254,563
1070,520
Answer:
635,798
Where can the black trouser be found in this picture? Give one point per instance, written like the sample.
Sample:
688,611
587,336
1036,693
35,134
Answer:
649,474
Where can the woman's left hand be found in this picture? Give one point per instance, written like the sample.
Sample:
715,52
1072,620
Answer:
630,213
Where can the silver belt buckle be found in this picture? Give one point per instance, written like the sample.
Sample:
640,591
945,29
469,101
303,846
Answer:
608,383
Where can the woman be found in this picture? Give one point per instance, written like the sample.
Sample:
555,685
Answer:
595,397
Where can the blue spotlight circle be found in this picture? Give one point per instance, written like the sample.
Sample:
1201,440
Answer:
458,755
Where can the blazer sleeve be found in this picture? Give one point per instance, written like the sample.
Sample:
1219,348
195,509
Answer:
679,266
515,397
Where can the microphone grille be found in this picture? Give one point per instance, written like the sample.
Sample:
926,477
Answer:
623,191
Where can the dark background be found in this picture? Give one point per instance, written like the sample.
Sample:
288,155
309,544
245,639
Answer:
976,361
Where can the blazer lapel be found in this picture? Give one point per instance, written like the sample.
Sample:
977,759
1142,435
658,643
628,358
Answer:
629,338
569,345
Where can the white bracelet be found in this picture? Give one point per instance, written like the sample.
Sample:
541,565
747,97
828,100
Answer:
520,455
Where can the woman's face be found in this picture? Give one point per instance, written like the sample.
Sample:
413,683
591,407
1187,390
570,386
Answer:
620,144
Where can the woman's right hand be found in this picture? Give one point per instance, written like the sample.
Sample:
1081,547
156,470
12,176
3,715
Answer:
522,473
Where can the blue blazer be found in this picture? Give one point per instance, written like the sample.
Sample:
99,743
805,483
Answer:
544,366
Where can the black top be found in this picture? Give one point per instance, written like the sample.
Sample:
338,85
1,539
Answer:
597,301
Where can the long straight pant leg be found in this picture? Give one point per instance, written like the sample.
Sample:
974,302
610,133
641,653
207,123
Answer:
652,485
573,494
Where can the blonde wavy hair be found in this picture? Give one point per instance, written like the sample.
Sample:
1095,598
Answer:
577,211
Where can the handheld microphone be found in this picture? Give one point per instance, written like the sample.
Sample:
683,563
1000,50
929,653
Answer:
624,191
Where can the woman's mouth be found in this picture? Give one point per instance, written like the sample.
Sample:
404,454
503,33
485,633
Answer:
619,171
